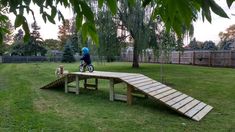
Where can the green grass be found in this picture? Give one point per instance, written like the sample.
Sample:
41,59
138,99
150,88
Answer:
25,107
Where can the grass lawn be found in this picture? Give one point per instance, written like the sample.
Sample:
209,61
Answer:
25,107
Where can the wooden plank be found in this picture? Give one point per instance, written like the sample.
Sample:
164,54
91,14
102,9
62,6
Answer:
202,113
130,77
148,90
120,97
136,79
149,86
188,106
182,103
177,99
171,96
166,93
144,83
195,109
72,89
111,90
140,81
161,90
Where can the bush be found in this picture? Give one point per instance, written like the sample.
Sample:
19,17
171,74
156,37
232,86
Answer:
68,54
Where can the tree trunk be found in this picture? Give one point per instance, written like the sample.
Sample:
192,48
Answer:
135,63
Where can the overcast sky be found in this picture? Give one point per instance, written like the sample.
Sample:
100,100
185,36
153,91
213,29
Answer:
209,31
202,30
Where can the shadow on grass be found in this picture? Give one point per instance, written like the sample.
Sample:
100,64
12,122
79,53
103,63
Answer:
101,96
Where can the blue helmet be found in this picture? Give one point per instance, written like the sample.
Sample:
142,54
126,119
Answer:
85,50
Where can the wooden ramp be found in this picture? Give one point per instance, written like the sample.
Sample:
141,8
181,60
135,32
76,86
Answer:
60,82
172,98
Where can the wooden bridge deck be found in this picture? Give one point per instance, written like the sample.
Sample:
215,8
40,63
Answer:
172,98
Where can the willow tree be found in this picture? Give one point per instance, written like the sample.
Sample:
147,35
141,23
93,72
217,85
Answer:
133,18
109,45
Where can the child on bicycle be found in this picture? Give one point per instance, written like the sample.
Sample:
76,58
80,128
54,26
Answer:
85,57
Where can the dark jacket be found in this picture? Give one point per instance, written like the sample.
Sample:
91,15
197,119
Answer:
86,58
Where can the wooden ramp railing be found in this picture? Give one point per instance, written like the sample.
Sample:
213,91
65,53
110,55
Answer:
172,98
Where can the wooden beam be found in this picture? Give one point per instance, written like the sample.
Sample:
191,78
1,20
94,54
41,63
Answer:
77,84
66,84
96,83
120,97
111,90
129,95
85,83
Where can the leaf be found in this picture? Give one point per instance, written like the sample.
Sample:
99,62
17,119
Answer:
84,32
146,2
60,16
51,19
207,15
49,3
27,2
131,2
53,11
79,19
217,9
206,11
26,30
112,4
44,17
94,36
92,32
3,18
100,3
230,2
19,20
86,10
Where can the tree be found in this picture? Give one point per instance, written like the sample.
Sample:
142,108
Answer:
68,53
133,19
209,45
64,32
34,46
107,31
19,35
228,34
226,45
175,14
227,38
193,45
52,44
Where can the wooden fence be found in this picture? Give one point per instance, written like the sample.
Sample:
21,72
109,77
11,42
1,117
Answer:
205,58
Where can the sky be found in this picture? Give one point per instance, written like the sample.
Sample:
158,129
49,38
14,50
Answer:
203,31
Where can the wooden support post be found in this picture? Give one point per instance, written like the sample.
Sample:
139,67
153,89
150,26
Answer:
77,84
210,59
193,58
129,95
66,84
85,83
179,57
111,91
230,58
96,84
